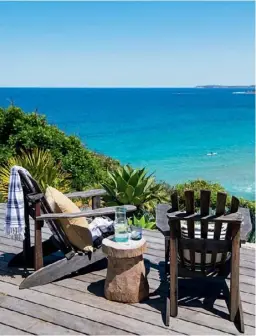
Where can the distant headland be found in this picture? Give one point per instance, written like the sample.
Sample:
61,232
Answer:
226,86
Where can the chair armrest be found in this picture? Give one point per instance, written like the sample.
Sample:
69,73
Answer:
34,197
235,217
87,193
90,213
161,218
246,226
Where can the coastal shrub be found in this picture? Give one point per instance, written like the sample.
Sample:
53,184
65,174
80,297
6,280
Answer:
20,130
41,166
132,186
198,185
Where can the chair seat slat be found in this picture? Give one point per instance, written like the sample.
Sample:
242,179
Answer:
206,245
183,215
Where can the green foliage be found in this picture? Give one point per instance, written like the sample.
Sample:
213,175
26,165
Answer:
2,199
19,130
198,185
132,186
41,166
144,222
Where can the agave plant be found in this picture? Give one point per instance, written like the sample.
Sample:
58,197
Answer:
144,222
41,166
132,186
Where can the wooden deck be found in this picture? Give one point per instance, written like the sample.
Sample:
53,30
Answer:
76,305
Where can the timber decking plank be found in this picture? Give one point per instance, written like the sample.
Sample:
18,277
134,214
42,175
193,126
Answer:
185,314
153,276
154,285
134,313
244,280
77,286
7,330
110,305
40,295
74,323
158,304
25,322
247,283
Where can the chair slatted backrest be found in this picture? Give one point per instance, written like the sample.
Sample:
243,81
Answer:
204,240
175,207
205,199
30,186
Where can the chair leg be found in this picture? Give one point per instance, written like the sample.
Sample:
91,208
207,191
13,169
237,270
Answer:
26,241
234,278
236,311
239,318
167,315
48,248
173,273
167,253
39,263
167,271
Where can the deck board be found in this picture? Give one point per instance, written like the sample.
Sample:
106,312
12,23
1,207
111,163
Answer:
76,304
7,330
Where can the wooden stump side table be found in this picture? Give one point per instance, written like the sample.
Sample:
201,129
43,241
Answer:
126,279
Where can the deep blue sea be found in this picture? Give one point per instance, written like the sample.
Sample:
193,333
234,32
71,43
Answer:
170,131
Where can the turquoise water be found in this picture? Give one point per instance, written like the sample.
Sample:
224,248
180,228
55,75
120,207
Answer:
170,131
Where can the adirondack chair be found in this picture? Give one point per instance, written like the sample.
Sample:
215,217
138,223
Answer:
186,247
38,208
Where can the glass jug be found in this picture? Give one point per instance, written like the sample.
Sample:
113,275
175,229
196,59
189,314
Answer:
121,226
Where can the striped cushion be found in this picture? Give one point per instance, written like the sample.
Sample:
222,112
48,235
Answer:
210,235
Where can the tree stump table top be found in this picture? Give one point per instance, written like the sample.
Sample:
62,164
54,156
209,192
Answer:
131,249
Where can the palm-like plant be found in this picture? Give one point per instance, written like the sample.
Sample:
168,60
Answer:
132,186
41,166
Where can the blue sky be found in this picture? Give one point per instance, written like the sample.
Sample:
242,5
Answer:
131,44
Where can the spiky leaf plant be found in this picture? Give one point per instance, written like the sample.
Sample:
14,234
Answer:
42,167
132,186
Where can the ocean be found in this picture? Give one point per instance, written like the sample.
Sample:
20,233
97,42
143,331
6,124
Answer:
169,131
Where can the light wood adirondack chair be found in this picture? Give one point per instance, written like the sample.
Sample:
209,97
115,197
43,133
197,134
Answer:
38,208
185,248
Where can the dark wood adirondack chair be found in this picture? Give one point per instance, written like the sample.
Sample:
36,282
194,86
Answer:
224,249
37,207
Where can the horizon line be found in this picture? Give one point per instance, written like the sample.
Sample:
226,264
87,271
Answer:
124,87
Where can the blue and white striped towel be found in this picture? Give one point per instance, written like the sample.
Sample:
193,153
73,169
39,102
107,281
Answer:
14,216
